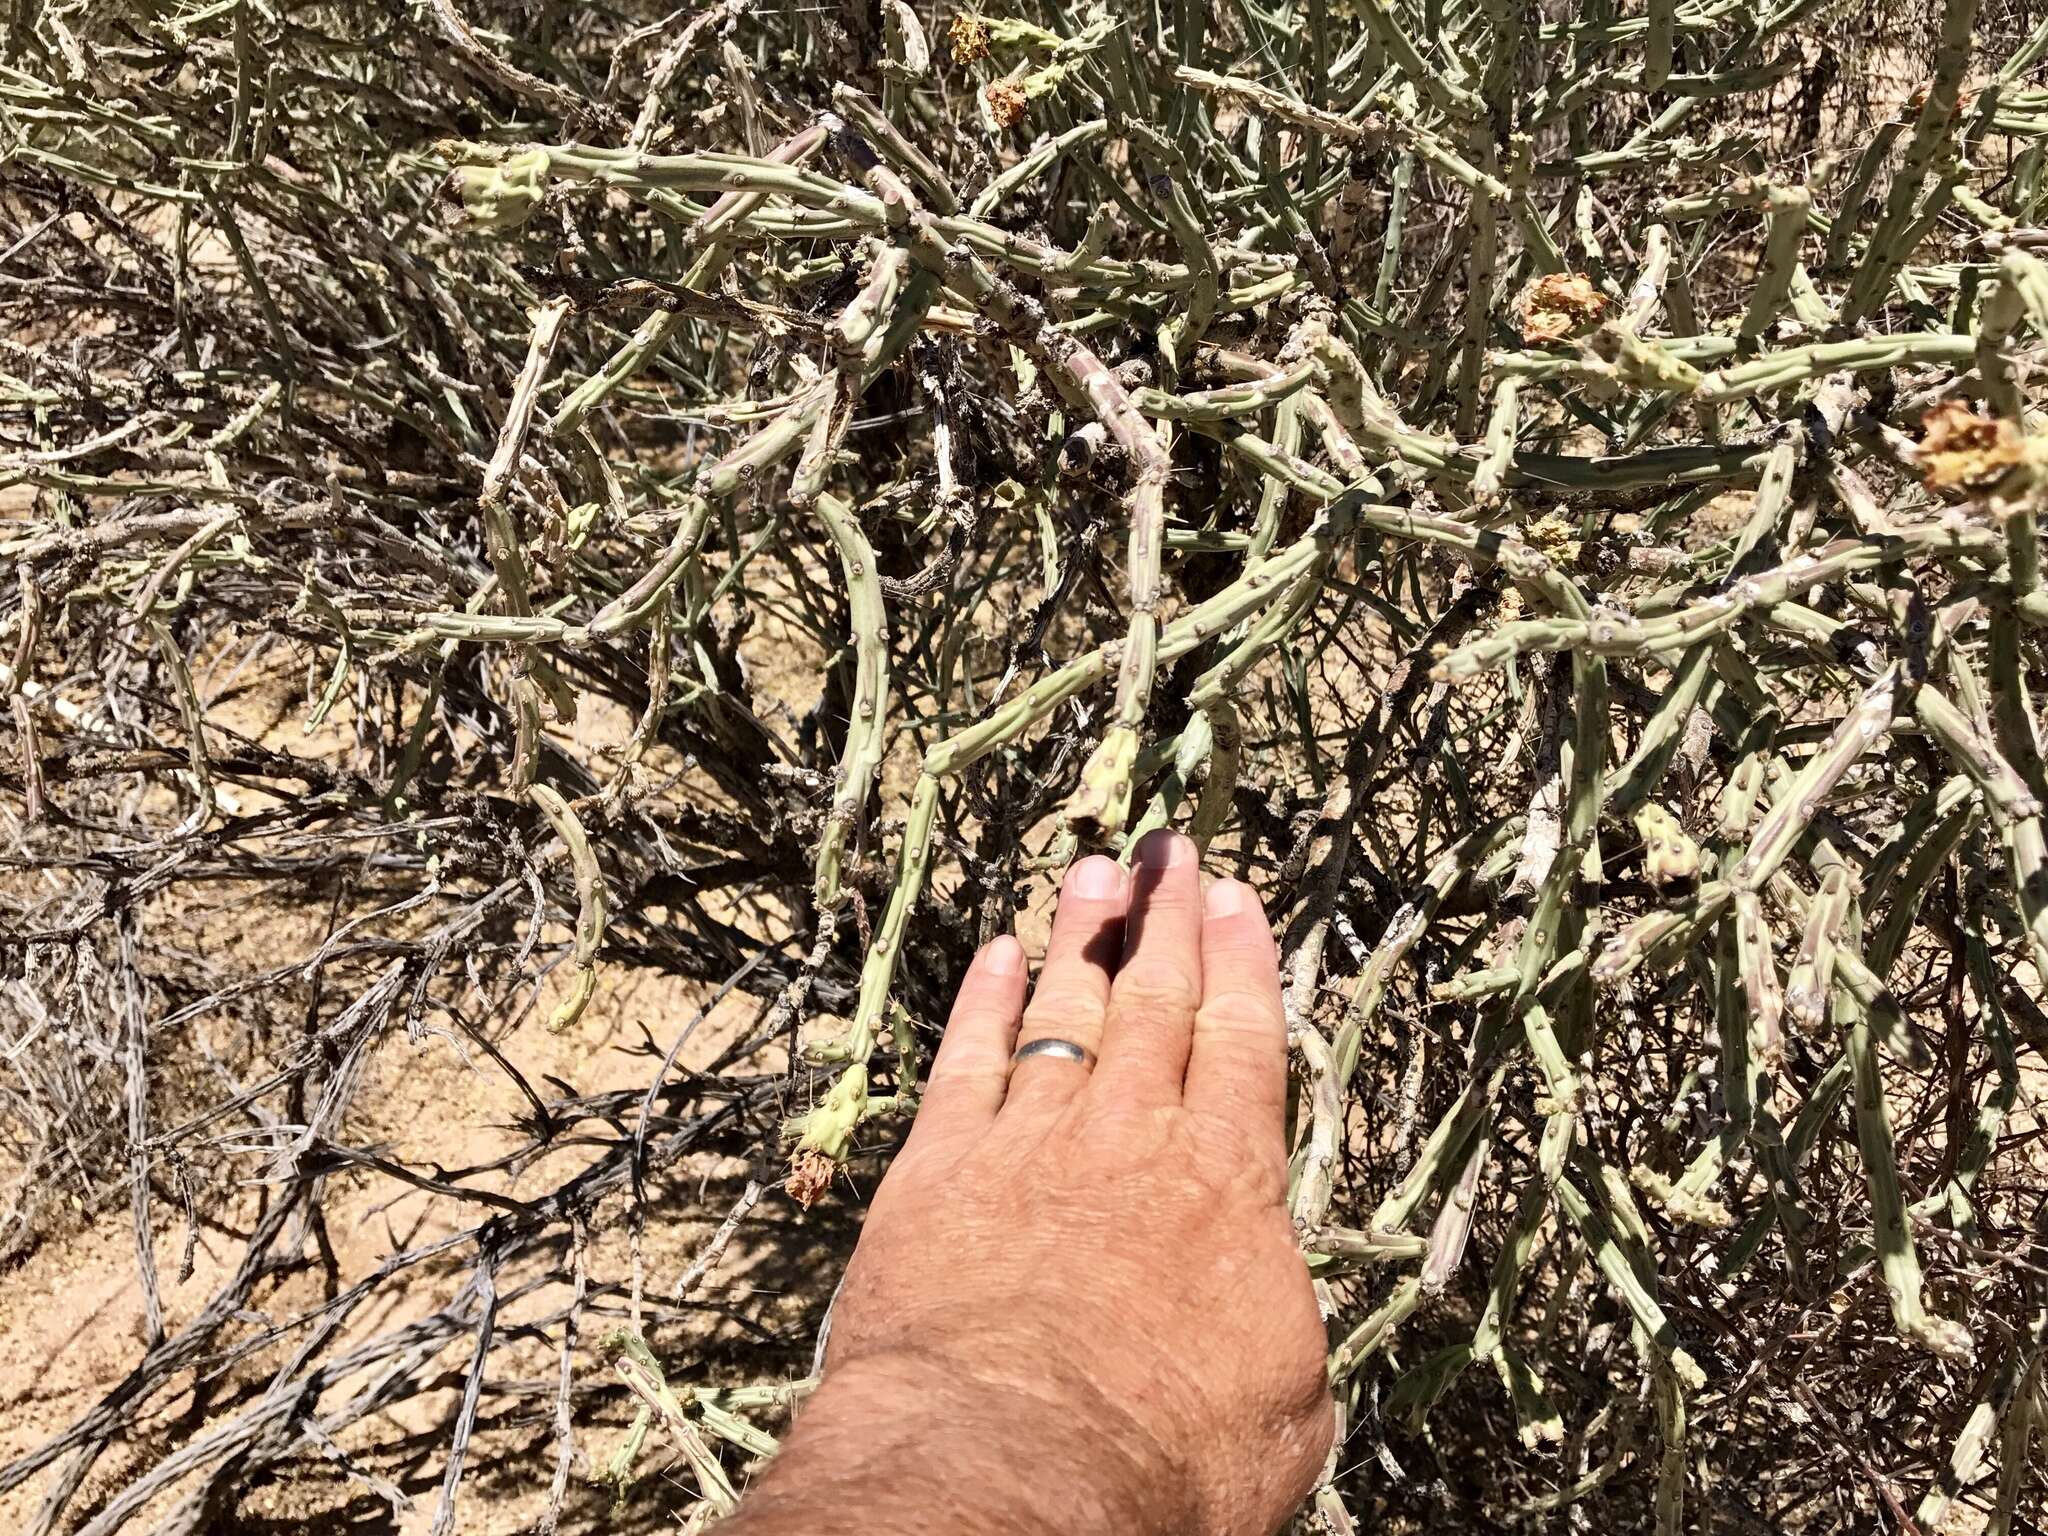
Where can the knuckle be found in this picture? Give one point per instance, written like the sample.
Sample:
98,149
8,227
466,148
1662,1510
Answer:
1241,938
1061,1002
967,1063
1250,1013
1261,1179
1243,1060
1248,956
1078,1020
1154,996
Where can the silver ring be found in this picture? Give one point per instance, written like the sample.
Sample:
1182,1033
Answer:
1066,1050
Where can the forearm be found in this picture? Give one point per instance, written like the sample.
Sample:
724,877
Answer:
895,1449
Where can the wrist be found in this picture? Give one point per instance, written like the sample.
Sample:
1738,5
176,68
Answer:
918,1443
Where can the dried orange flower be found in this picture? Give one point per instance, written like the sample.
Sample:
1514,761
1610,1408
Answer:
810,1175
1559,305
1007,103
1917,103
1962,451
968,35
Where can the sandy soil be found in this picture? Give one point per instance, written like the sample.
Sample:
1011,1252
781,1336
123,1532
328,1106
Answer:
72,1319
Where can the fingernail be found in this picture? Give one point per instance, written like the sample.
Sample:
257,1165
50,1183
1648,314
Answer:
1224,898
1163,850
1096,879
1004,956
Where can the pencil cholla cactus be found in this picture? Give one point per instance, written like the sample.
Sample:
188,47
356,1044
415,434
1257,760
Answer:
729,502
500,193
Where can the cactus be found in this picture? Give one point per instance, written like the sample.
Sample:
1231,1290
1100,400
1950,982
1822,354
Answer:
748,495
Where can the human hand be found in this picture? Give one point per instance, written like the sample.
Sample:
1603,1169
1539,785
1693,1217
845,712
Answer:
1092,1269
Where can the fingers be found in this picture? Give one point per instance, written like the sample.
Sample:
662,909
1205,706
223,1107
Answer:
1237,1066
964,1088
1073,985
1159,985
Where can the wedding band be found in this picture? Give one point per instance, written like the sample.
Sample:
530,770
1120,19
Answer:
1066,1050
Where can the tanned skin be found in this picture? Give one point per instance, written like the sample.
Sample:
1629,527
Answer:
1077,1304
